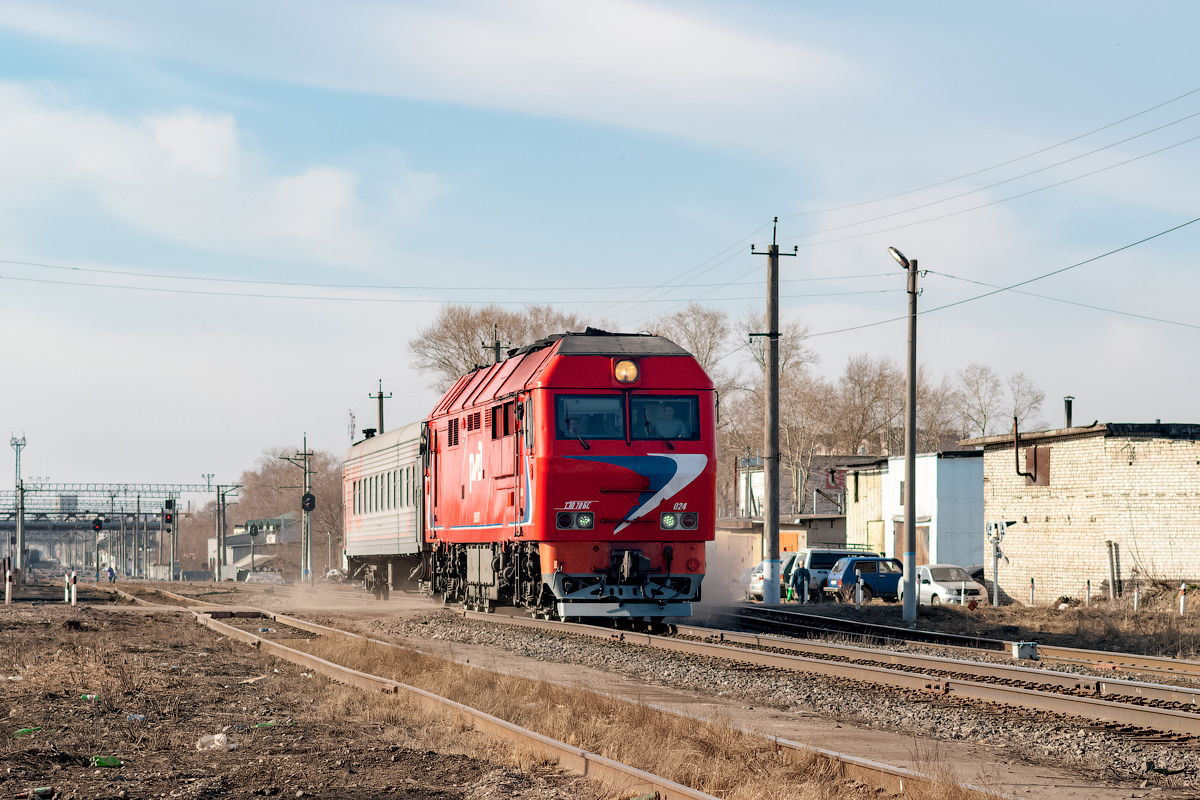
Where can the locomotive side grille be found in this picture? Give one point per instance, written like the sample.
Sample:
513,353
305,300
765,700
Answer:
452,433
474,421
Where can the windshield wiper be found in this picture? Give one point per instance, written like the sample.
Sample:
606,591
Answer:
571,426
650,427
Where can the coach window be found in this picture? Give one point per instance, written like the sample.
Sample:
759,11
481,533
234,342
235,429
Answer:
589,416
664,416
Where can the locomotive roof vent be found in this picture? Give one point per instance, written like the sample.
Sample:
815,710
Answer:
368,433
595,342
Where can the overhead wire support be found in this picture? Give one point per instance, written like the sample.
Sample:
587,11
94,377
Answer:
771,432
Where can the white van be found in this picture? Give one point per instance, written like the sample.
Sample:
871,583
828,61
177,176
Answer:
817,560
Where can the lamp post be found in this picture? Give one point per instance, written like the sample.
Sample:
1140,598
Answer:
910,445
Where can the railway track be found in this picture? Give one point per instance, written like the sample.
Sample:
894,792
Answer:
1141,708
275,633
801,624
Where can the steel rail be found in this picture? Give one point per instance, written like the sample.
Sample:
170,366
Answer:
878,774
1012,672
1103,659
1097,659
1108,711
883,776
573,759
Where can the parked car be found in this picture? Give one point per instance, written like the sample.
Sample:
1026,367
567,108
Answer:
817,560
264,577
945,583
754,588
880,578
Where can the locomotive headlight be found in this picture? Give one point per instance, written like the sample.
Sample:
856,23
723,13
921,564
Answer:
626,371
669,521
564,520
584,521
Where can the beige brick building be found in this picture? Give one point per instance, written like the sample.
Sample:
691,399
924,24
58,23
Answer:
1120,497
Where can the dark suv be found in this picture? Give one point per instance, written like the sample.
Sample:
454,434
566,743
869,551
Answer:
880,578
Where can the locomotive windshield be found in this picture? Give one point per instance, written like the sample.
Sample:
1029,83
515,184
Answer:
589,416
664,416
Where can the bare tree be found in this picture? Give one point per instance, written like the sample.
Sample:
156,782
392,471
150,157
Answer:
980,399
460,338
805,400
937,414
793,352
704,332
867,405
1026,400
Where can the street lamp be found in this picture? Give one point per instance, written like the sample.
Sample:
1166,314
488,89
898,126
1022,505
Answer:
910,445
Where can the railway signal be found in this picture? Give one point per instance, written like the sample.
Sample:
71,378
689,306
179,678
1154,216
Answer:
308,502
97,524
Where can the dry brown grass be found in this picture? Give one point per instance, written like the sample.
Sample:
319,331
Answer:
713,757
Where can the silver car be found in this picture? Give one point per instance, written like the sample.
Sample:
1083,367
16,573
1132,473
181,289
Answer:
945,583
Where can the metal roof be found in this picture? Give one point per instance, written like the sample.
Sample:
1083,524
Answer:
1108,430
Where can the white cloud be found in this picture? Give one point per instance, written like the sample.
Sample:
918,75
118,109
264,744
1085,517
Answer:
187,176
650,66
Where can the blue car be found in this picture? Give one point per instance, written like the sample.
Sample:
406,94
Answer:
880,578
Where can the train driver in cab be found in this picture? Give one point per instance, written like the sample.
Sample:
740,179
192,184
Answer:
669,426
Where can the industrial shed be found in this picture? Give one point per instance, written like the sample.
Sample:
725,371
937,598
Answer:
1109,499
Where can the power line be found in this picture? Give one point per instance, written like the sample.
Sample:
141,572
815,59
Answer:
1014,285
298,284
994,166
1069,302
998,201
411,300
999,183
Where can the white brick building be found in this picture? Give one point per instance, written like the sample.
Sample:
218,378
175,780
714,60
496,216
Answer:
1126,489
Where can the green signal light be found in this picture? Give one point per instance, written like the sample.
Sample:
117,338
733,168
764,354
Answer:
584,520
669,521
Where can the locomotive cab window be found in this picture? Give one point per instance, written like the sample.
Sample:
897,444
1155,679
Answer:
664,416
589,416
504,420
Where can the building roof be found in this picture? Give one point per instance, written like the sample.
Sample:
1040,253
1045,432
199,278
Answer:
253,562
1108,430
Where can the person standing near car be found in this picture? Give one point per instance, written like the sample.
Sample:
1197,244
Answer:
799,587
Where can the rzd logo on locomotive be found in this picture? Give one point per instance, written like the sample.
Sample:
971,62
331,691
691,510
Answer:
475,465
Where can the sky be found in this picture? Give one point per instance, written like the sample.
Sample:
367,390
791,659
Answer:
221,222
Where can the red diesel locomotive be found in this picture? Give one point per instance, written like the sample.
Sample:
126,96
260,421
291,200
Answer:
576,479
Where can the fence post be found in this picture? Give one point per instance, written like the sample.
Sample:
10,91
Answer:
1136,597
73,590
1182,596
1088,595
1031,591
857,588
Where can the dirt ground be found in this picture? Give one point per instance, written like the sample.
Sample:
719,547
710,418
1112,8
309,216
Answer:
145,687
